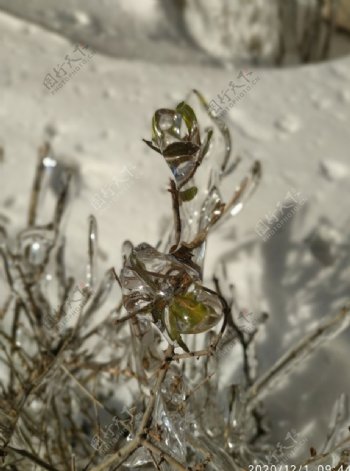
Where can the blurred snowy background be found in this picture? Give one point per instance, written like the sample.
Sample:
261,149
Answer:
142,55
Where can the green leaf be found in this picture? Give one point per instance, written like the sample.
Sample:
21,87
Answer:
189,194
206,145
190,119
180,148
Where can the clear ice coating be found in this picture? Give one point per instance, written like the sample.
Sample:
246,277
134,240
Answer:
91,266
193,312
170,413
170,418
36,263
170,290
176,136
34,245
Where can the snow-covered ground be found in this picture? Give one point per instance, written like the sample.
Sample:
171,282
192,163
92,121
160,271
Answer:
295,120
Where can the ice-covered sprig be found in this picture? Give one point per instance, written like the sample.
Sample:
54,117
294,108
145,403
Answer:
176,135
170,290
169,285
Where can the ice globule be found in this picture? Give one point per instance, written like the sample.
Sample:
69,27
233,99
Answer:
156,283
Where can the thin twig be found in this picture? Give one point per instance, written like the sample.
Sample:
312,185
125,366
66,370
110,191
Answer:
304,348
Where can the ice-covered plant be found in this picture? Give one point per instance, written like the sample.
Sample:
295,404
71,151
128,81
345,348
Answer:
88,387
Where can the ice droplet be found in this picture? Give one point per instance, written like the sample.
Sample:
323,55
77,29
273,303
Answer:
34,246
166,121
